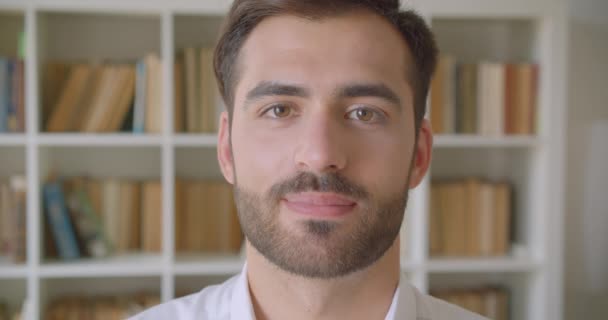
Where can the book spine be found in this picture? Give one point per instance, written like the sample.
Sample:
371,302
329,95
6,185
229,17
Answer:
59,221
140,97
20,96
4,94
18,186
12,95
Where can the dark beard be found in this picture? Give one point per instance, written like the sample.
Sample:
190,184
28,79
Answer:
324,251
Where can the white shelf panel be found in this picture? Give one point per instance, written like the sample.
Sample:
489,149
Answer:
466,265
208,265
88,140
195,140
13,271
17,139
474,141
120,266
408,266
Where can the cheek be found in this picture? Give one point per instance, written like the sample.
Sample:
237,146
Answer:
383,163
260,158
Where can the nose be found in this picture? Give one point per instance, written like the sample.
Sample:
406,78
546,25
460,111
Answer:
321,146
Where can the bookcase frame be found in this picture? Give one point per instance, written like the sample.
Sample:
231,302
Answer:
540,272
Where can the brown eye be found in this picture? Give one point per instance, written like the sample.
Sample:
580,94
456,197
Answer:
361,114
280,111
364,115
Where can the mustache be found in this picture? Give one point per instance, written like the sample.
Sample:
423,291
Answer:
329,182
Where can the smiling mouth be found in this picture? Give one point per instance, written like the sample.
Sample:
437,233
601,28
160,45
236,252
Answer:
319,204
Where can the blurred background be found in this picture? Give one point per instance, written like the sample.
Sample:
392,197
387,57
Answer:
111,199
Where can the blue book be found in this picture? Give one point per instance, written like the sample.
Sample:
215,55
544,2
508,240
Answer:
4,94
59,220
139,105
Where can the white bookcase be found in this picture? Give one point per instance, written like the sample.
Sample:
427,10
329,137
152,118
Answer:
528,30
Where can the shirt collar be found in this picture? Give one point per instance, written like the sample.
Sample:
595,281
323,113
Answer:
402,307
241,307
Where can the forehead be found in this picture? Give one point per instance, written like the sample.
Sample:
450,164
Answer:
358,46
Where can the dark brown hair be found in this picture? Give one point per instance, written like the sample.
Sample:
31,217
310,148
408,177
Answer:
245,15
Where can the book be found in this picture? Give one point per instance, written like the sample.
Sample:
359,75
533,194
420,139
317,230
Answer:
69,99
18,186
139,115
129,234
466,99
101,106
486,98
13,93
435,222
86,221
111,209
206,218
196,100
453,213
470,218
123,99
153,113
178,102
441,96
54,77
4,93
191,81
20,95
486,220
207,91
6,220
151,216
59,220
502,220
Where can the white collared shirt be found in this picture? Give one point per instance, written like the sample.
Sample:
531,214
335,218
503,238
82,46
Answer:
231,301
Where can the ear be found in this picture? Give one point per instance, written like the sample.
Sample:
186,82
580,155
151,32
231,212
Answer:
224,149
422,158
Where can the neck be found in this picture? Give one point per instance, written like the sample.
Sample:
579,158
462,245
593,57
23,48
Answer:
365,294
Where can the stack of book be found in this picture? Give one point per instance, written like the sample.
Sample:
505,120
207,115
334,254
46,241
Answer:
13,219
206,219
491,302
94,218
12,95
107,308
196,93
485,98
6,315
470,218
107,97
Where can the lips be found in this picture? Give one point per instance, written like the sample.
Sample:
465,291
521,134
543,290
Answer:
318,204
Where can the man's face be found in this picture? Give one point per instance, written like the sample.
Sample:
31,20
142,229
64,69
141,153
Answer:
322,142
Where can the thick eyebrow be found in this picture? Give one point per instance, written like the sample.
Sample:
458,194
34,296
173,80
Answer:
273,88
369,90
